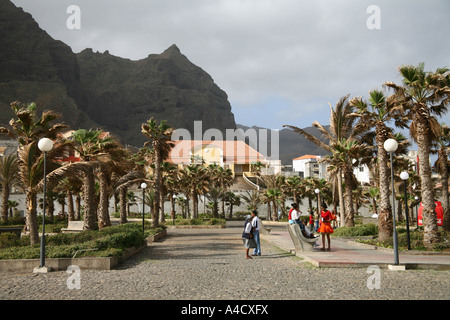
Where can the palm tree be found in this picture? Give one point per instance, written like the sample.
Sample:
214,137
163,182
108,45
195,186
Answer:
215,194
371,195
65,185
9,166
424,96
347,154
195,177
221,177
272,196
252,199
442,165
168,173
232,200
342,126
294,187
160,140
29,128
376,113
92,145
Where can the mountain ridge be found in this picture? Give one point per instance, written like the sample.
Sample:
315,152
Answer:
99,90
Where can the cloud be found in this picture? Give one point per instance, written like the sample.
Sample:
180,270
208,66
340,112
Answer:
287,58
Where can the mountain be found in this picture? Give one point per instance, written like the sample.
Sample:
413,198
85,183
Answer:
99,90
291,145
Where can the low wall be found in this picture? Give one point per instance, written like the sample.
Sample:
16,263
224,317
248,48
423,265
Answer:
84,263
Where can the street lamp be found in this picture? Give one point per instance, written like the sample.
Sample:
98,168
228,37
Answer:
391,145
405,176
45,145
173,209
143,187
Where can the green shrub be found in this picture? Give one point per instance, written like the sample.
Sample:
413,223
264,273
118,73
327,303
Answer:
215,221
358,231
14,221
109,241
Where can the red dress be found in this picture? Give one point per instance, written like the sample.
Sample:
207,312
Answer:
325,226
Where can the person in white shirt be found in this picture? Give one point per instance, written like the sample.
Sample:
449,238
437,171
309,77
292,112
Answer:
247,236
256,224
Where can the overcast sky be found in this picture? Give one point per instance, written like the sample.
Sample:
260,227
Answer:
279,61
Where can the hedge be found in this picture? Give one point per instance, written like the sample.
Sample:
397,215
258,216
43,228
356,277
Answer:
110,241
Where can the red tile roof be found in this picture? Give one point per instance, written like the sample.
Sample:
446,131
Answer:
307,156
233,151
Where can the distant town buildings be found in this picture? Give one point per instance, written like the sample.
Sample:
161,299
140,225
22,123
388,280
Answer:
310,166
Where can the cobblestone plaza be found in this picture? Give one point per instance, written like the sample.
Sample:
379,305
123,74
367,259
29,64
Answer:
210,264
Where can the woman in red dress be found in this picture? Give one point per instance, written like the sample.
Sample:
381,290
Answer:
325,226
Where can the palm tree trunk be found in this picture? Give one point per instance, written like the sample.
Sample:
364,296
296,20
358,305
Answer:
162,200
444,180
157,178
50,208
172,205
430,227
385,224
195,205
89,201
275,213
123,205
70,206
78,207
5,197
349,210
103,213
32,224
341,198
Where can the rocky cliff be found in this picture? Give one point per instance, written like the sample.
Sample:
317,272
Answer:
94,90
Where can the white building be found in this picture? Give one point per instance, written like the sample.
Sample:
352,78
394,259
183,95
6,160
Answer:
309,166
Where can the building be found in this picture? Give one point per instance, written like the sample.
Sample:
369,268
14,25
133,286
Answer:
234,155
8,147
309,166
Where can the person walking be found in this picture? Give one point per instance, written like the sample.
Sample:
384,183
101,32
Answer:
247,236
256,224
325,227
311,222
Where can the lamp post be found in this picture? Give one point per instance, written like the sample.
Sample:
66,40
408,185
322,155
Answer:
45,145
173,209
391,145
143,187
405,176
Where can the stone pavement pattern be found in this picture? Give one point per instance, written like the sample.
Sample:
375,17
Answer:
201,264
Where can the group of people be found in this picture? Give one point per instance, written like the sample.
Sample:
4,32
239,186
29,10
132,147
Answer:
252,226
250,235
324,227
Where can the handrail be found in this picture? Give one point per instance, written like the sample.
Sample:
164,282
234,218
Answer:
249,182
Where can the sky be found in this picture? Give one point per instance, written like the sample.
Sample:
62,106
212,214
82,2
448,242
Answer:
281,62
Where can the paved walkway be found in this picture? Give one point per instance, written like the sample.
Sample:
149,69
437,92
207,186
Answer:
351,254
199,264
